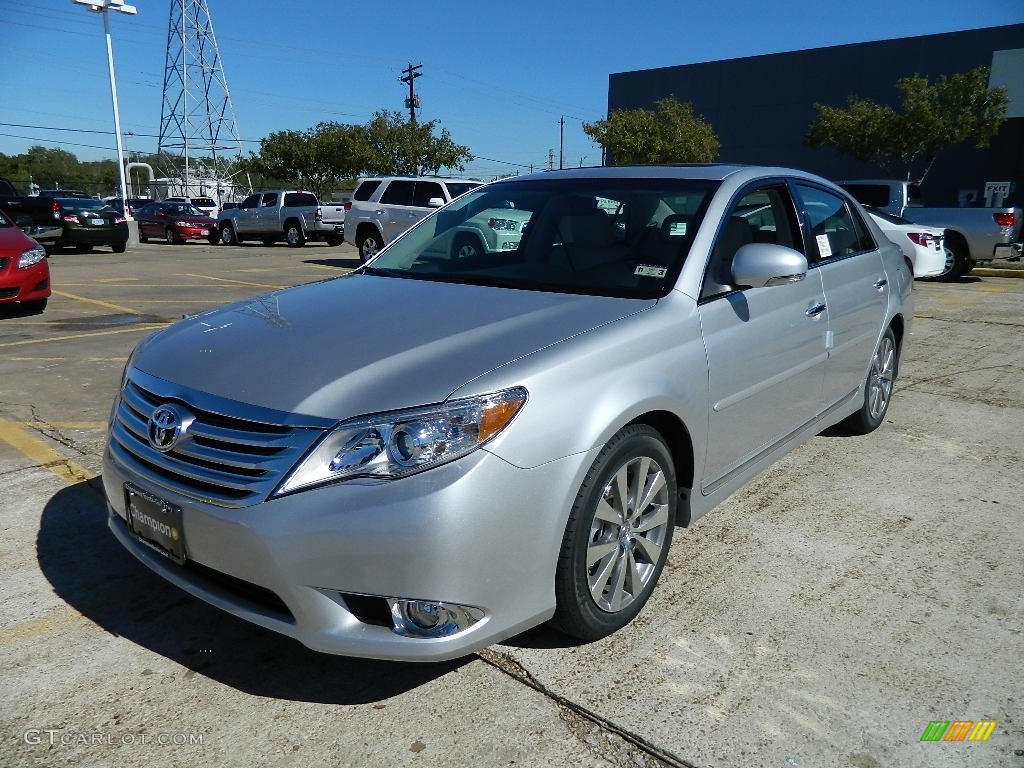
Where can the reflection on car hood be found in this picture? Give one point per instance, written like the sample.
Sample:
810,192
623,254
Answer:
361,344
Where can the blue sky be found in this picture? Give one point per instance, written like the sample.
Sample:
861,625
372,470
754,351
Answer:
498,76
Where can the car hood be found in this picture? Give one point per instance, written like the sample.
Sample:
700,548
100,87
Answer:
361,344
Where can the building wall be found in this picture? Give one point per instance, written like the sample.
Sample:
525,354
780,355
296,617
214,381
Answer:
760,106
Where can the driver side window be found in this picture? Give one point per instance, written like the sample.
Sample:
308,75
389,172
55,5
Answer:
761,215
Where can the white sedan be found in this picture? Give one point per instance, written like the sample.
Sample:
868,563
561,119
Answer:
924,246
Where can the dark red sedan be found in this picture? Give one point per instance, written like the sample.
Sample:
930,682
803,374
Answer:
24,269
175,223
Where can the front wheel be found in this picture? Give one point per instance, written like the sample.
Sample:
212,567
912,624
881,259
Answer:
618,535
228,235
467,246
878,387
294,235
169,237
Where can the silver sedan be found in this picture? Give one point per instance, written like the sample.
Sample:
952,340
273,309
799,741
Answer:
445,448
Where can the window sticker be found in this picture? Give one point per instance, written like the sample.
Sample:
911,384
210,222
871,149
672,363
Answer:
647,270
823,246
677,228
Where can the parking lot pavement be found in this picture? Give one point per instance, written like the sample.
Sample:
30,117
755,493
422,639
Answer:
824,615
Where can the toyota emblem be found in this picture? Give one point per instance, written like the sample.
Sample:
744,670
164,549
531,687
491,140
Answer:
166,426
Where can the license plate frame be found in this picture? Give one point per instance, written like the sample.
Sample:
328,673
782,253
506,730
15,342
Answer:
156,522
97,222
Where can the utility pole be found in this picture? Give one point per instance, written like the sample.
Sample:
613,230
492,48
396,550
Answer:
551,159
412,101
561,143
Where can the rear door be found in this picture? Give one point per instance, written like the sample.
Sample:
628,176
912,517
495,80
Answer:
849,262
765,347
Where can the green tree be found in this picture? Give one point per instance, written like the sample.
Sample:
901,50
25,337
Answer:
396,146
319,159
906,140
670,133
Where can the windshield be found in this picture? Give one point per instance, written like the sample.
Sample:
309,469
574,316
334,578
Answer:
184,209
603,237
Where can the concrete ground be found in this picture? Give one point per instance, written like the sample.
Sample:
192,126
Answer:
824,615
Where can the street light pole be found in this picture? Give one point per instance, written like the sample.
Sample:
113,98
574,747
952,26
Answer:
102,6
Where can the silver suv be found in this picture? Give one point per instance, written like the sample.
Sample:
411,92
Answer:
382,208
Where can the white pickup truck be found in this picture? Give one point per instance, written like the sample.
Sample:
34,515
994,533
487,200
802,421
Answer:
972,234
292,215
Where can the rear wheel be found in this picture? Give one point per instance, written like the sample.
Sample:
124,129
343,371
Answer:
368,241
878,388
618,535
961,259
334,240
119,247
143,237
294,235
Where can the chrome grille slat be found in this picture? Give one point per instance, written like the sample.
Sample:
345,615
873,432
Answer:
225,456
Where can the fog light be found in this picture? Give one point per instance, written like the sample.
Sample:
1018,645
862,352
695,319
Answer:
429,618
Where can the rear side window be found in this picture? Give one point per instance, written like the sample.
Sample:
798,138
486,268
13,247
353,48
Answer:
425,190
366,189
300,198
398,193
836,229
456,188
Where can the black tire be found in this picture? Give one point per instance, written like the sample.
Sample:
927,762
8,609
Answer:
213,239
34,307
467,246
962,263
269,241
369,242
228,236
143,237
294,235
119,247
882,372
610,562
334,240
170,238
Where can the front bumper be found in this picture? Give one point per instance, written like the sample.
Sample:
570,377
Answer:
30,284
95,236
477,532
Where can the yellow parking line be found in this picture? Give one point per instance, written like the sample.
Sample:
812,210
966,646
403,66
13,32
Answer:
117,280
33,628
235,282
96,301
37,359
144,328
44,456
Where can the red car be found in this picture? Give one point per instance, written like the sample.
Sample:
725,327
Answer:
175,223
24,269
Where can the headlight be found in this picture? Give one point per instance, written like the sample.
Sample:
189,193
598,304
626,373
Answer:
31,256
400,443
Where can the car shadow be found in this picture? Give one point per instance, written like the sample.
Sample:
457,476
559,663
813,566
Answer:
91,572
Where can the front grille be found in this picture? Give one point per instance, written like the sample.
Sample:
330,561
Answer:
232,455
8,293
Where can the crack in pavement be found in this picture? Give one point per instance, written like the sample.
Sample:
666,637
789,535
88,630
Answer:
595,732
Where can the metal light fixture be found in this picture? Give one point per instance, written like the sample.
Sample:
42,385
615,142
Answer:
102,6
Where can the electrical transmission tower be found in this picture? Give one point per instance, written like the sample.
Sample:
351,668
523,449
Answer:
199,144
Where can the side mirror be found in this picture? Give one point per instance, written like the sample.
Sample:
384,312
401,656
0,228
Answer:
758,265
435,202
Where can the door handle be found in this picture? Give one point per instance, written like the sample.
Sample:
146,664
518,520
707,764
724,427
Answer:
880,283
815,310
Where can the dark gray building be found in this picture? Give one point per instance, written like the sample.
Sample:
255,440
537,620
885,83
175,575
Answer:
760,106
